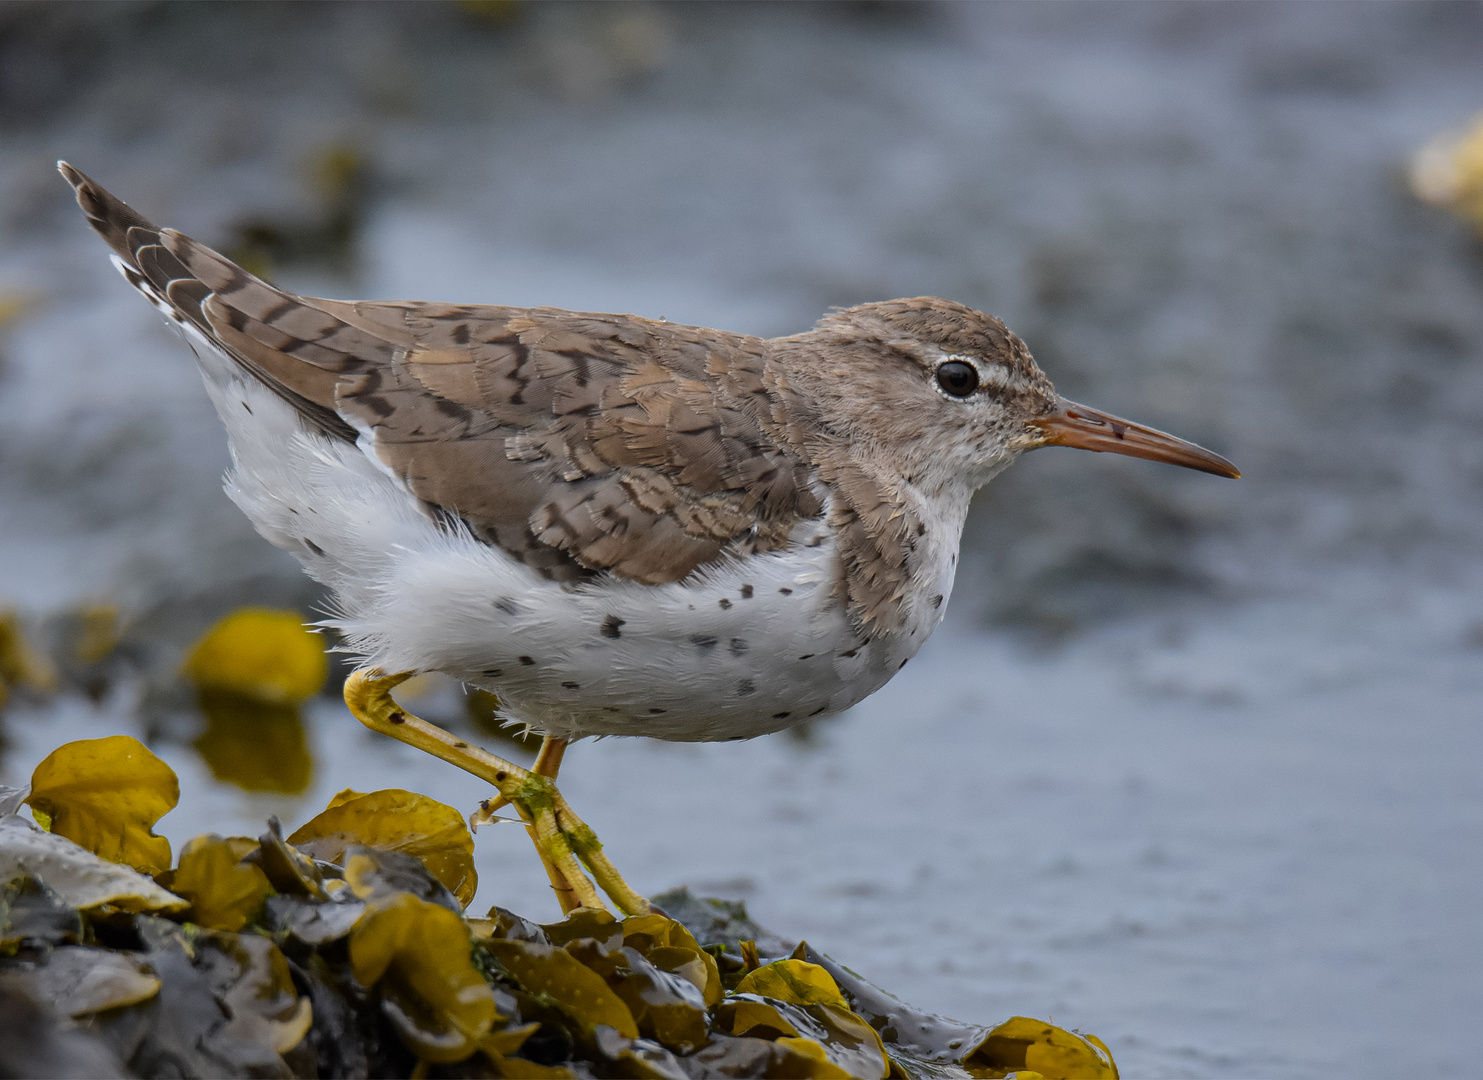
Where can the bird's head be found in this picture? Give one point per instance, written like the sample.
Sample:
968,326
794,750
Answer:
954,395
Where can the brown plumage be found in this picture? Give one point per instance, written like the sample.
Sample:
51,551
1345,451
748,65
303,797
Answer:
576,442
580,443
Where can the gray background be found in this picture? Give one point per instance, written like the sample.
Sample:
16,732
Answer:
1192,764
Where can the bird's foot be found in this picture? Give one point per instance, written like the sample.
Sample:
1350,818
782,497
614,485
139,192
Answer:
564,841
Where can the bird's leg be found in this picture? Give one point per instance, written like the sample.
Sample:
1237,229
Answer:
548,763
561,837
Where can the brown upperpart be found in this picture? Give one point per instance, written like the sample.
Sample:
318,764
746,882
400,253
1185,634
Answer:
580,443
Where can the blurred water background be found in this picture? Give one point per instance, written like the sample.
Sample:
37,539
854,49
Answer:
1192,765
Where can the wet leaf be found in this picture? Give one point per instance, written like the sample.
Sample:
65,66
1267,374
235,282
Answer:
506,924
794,981
265,654
255,745
396,820
79,980
288,870
848,1041
377,875
576,990
672,948
224,891
313,922
343,797
667,1008
816,1053
262,1001
520,1069
80,878
1021,1043
31,912
227,1006
915,1036
586,923
106,795
638,1057
720,922
419,954
693,965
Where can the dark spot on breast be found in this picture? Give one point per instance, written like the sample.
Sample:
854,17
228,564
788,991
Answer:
817,711
816,541
702,641
738,646
781,715
937,600
312,546
725,604
786,591
745,687
494,673
807,656
461,333
508,606
247,407
656,712
746,592
572,685
609,627
851,653
921,528
527,661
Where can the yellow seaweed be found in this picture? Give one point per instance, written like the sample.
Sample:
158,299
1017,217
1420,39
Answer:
224,891
420,954
1022,1043
263,654
396,820
105,796
576,990
794,981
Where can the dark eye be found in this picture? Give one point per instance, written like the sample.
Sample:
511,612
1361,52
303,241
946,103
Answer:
957,378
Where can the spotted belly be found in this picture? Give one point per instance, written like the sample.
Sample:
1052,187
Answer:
740,648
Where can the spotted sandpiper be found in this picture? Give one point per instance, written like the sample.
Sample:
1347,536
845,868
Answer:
618,525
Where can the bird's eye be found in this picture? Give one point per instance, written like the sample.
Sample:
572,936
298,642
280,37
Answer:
957,378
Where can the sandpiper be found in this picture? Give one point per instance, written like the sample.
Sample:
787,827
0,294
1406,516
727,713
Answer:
618,525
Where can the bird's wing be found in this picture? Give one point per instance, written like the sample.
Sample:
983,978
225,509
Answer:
576,442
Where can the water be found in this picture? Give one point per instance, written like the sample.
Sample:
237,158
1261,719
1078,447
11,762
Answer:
1190,764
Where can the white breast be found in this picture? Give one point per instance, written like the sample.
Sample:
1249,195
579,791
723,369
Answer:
736,650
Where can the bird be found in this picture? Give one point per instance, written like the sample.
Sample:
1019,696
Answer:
617,525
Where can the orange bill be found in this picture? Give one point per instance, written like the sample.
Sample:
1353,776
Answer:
1087,429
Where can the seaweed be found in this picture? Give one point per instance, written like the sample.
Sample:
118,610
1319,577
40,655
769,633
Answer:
346,950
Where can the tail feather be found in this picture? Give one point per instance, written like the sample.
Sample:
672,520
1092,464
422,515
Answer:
109,216
283,340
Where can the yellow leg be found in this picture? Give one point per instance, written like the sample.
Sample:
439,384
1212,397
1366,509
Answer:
548,763
560,836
